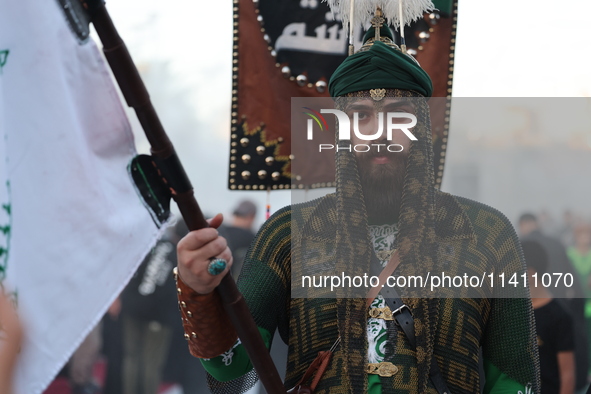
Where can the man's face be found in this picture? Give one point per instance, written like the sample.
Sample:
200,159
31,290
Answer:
527,226
583,237
381,170
380,162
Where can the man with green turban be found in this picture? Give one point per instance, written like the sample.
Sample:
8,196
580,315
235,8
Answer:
384,202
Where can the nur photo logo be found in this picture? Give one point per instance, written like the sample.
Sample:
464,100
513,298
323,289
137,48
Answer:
388,122
316,116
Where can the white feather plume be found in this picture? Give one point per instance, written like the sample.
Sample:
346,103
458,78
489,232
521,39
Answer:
365,9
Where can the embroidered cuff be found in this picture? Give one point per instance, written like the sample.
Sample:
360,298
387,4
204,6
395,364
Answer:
207,326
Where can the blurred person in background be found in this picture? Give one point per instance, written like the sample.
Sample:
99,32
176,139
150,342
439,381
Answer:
566,230
547,223
530,229
580,256
10,342
573,297
113,349
147,316
81,364
240,233
554,326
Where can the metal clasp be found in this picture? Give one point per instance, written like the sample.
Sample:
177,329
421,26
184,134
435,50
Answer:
400,309
384,369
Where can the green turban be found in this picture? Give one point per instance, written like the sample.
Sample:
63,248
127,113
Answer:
380,67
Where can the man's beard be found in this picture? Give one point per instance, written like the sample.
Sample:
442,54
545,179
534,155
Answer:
382,185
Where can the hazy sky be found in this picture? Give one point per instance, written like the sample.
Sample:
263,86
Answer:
518,48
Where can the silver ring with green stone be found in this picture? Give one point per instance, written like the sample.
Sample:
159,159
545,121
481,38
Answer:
216,266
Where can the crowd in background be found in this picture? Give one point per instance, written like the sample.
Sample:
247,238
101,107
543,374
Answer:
139,346
563,312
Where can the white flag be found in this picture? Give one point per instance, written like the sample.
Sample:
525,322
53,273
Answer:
72,228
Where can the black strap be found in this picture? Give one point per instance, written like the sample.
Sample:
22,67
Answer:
403,316
437,377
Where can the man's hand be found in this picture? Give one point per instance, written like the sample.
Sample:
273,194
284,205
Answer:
10,342
195,252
